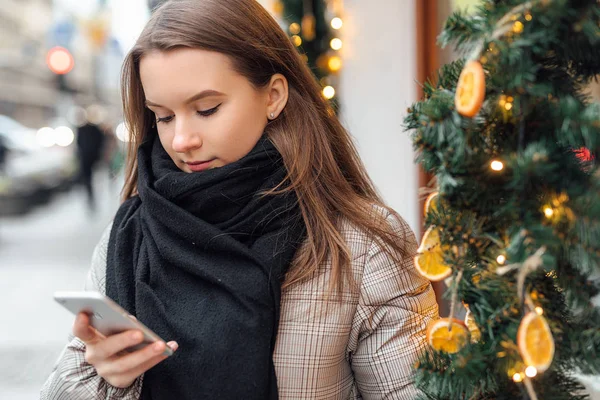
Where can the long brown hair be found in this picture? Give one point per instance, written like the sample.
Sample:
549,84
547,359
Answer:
323,165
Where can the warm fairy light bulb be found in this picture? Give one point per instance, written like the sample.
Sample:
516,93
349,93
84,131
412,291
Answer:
518,27
548,212
518,377
337,23
278,7
501,259
336,43
506,102
497,165
539,310
329,92
295,28
297,40
334,63
531,371
528,17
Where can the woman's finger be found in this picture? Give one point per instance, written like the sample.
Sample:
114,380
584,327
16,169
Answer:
84,331
117,343
138,362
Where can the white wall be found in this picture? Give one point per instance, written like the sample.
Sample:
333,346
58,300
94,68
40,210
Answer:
378,85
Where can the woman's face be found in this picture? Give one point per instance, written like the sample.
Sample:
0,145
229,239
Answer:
207,115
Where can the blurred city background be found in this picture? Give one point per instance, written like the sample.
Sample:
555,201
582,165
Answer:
62,138
60,119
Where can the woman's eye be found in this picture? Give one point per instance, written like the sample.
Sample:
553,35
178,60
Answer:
202,113
165,119
209,112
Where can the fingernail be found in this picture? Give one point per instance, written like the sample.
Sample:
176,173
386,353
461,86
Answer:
173,345
136,336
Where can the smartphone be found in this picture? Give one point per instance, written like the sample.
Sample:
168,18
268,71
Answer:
107,316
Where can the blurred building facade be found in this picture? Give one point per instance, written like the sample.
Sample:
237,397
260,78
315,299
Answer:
29,91
27,88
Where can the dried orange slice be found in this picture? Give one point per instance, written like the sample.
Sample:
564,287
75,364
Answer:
535,341
429,260
470,90
431,202
441,338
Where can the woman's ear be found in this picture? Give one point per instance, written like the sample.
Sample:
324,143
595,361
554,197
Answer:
277,96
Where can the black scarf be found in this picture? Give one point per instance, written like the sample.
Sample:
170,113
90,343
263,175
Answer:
199,258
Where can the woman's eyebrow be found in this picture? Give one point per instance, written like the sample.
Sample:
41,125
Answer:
198,96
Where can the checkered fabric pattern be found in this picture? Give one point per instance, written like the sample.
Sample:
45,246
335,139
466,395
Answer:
362,345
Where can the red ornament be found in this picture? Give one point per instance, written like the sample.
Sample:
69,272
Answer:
584,154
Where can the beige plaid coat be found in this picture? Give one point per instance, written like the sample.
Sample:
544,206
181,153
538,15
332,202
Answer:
363,347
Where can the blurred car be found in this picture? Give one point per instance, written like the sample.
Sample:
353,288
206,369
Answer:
31,172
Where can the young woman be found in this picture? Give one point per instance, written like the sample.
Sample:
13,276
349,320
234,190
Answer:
250,234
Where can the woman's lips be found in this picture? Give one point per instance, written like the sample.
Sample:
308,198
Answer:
197,166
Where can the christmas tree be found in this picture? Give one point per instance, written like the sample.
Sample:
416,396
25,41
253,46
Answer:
514,219
313,26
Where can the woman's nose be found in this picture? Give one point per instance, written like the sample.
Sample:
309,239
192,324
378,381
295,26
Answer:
186,138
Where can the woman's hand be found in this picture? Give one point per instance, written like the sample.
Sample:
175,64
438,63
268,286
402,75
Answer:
107,355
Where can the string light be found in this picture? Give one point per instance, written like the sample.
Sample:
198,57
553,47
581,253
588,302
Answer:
336,43
518,27
539,310
501,259
497,165
506,102
295,28
557,211
531,371
303,31
518,377
334,63
337,23
560,199
329,92
309,24
278,7
528,17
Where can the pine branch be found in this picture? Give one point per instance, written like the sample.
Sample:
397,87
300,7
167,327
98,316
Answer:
538,57
459,376
462,29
